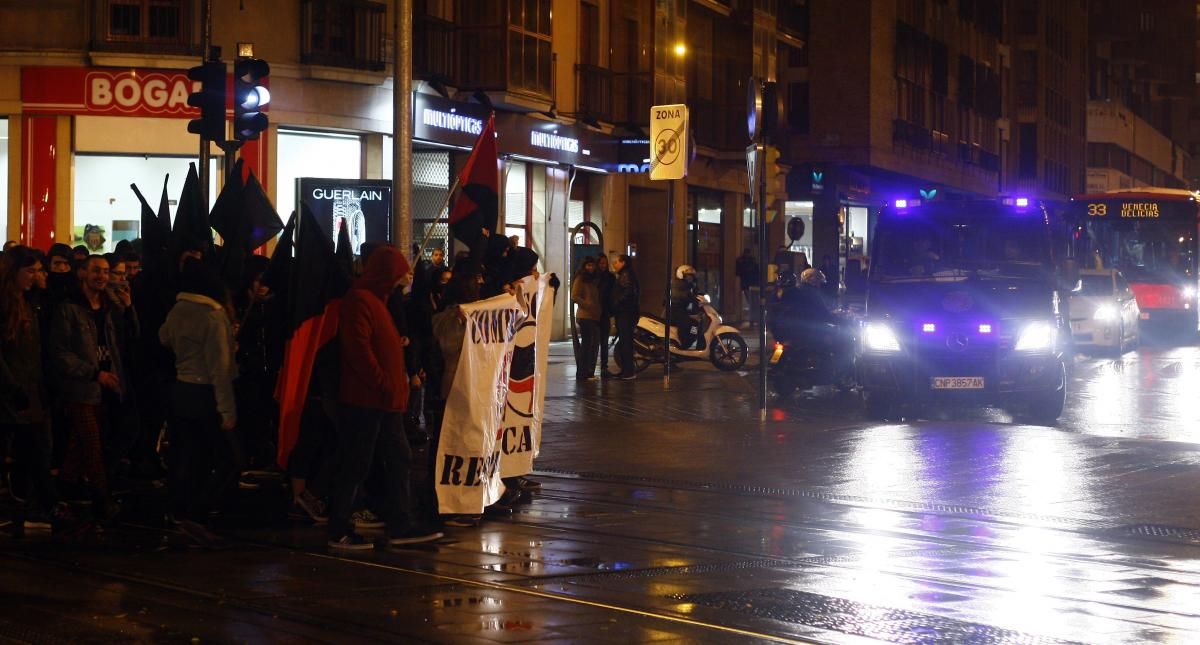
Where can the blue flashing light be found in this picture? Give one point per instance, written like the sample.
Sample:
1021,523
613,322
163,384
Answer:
985,328
928,328
901,203
1022,202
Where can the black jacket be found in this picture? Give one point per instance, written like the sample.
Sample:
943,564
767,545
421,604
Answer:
625,293
73,347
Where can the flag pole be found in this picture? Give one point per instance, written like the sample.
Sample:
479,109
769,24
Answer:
445,206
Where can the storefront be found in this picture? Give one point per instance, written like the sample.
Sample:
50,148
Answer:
551,177
87,134
706,242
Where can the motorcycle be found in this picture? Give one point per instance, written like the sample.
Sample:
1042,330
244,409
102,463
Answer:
720,344
798,365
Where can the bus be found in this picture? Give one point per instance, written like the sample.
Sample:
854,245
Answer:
1149,234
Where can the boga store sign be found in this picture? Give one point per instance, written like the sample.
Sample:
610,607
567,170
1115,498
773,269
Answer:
102,91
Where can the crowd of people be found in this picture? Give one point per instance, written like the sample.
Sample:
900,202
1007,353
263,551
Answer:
111,374
606,300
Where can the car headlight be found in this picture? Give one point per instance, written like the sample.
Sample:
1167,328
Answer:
879,337
1105,313
1037,336
1189,292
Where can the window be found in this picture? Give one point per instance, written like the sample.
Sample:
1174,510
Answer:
797,106
4,179
1028,153
529,46
515,202
146,22
314,154
343,33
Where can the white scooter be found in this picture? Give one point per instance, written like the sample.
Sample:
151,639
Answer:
722,344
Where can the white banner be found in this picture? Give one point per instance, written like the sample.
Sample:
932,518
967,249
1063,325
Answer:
468,460
521,427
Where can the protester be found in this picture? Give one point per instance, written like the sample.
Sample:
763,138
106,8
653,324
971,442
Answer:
585,293
205,454
23,402
256,380
89,339
604,281
374,388
624,302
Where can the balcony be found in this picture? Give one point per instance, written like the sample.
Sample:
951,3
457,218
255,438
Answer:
911,134
343,33
632,96
433,49
142,26
595,91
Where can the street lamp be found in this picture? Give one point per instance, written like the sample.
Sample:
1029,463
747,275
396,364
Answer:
680,50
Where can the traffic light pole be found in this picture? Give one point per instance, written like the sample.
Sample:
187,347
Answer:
402,128
762,290
202,171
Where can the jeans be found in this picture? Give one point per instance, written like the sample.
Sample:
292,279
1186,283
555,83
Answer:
626,321
311,458
205,460
605,328
589,344
31,450
367,436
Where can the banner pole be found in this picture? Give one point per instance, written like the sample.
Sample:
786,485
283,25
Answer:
445,205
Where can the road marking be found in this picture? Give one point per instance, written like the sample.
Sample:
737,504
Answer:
553,596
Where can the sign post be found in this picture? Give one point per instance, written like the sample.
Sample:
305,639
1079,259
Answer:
669,161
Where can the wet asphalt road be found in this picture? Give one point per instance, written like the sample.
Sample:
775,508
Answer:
677,516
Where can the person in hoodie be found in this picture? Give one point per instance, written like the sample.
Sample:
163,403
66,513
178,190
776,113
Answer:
372,394
205,453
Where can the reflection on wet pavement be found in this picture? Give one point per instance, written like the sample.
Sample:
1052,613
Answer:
677,516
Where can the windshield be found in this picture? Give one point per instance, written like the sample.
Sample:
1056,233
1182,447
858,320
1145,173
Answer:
952,248
1161,250
1095,285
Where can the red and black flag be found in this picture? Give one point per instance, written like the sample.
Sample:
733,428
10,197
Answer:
477,205
245,218
191,231
316,283
155,234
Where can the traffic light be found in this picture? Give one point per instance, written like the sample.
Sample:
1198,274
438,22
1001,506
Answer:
210,100
250,96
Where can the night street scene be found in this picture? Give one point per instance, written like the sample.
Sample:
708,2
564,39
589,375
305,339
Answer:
696,321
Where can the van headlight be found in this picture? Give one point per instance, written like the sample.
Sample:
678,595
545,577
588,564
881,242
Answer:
879,337
1036,337
1105,313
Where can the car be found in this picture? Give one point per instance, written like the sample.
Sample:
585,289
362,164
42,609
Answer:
1104,312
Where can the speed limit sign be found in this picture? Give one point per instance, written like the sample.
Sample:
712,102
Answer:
668,141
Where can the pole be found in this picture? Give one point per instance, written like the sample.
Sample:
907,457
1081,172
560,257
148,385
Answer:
205,55
438,216
402,125
670,273
762,290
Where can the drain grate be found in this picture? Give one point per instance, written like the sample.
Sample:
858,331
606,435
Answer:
859,619
1161,532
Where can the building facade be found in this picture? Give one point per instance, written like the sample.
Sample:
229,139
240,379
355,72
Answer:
1142,85
918,98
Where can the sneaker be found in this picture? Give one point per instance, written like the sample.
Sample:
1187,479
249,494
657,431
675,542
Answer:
307,506
38,522
351,542
463,521
415,536
198,534
627,377
365,519
498,511
245,485
529,484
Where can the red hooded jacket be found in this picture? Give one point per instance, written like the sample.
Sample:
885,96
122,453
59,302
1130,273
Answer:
373,373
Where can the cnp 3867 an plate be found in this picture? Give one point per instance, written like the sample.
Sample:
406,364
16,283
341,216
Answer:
957,383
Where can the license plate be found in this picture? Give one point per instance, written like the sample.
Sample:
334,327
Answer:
1145,316
958,382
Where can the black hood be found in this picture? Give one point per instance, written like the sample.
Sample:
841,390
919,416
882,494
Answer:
969,300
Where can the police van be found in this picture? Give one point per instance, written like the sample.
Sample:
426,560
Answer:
962,307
